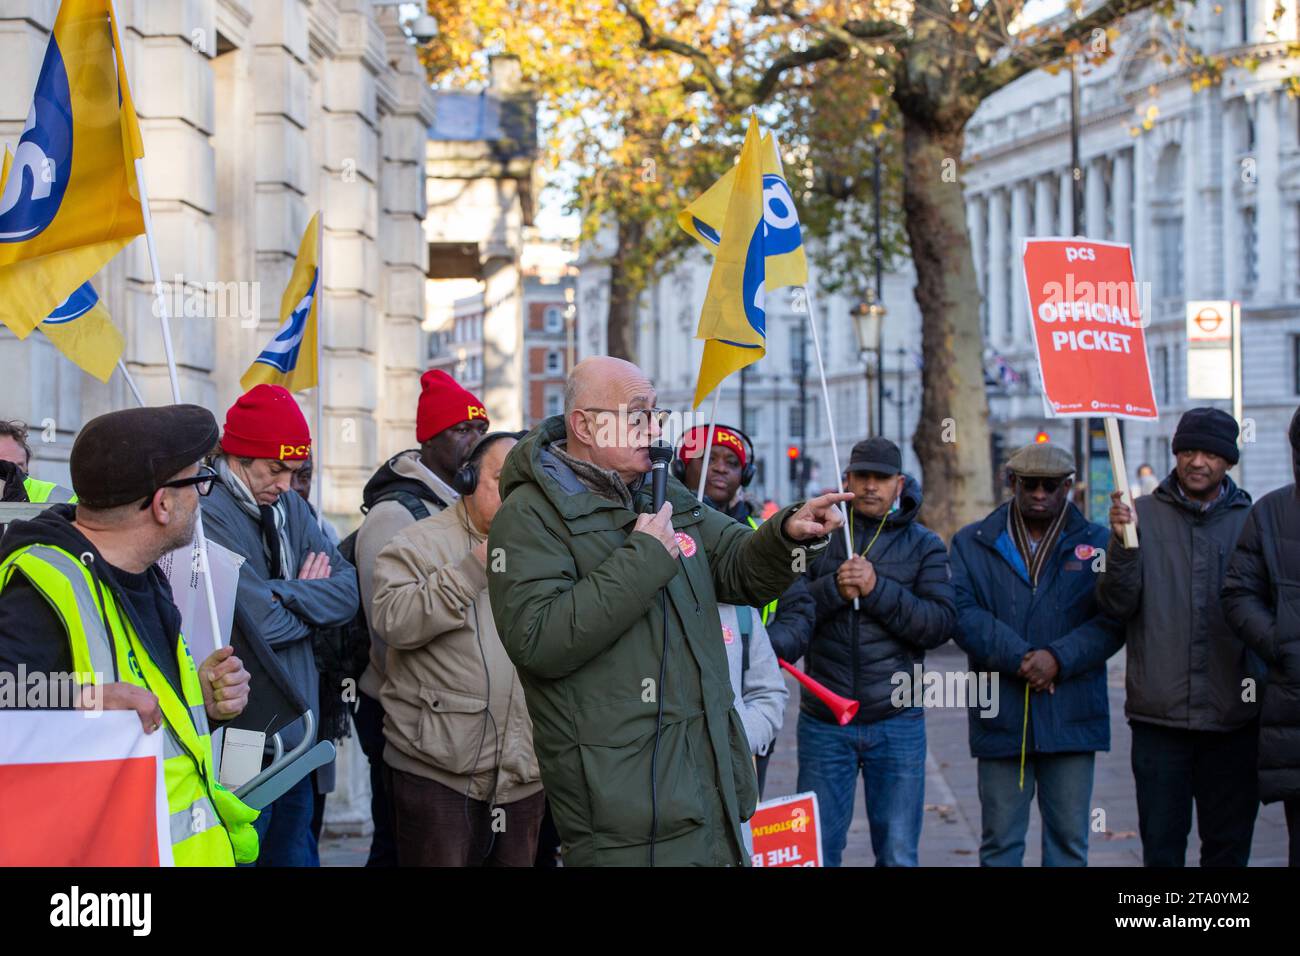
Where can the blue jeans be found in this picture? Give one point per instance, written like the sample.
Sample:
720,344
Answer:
1064,784
284,828
891,756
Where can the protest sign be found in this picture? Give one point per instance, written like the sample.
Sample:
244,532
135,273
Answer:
1089,335
787,832
1088,329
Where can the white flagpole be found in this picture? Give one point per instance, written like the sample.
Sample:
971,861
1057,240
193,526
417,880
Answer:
318,452
830,423
164,316
708,443
130,383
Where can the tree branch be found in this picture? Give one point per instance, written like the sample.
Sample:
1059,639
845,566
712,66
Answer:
650,40
1030,58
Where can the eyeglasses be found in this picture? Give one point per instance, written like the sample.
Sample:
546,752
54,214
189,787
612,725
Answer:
1047,484
202,483
638,417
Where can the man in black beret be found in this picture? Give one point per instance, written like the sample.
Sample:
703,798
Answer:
1195,728
80,590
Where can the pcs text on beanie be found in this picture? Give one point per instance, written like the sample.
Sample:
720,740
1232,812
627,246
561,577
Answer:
266,422
444,403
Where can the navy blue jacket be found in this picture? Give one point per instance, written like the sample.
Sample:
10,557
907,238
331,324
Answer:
1000,618
909,611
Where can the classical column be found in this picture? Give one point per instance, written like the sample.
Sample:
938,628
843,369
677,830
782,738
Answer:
1094,198
1268,199
1231,175
1018,324
1143,260
403,132
997,294
978,231
1121,195
1044,220
1065,204
166,51
1193,215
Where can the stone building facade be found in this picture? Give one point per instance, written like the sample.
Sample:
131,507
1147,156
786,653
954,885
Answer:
255,114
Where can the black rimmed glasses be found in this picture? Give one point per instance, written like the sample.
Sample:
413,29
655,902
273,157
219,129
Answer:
202,483
639,418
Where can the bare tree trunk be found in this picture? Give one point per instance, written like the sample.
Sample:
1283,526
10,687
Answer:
623,295
952,434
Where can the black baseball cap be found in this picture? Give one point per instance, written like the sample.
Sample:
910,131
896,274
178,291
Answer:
879,455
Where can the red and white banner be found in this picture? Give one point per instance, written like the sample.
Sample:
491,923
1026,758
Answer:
1088,329
81,788
787,831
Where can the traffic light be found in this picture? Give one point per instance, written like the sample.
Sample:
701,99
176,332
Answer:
1042,438
793,454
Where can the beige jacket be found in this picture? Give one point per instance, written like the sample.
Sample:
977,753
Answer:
431,607
381,525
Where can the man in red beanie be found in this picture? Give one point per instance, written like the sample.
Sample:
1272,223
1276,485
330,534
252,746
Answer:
293,580
411,485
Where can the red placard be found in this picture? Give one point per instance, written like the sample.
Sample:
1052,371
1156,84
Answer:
79,813
787,832
1088,329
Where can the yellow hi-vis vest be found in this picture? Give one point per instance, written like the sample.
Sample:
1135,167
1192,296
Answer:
39,492
210,826
770,609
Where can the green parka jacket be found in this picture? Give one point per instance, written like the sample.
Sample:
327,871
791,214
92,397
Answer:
576,599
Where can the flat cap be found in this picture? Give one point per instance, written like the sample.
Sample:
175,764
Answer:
1041,460
124,456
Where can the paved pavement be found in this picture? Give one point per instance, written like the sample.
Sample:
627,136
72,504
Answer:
950,833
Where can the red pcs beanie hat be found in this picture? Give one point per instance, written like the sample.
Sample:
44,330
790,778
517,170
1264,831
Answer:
444,403
266,422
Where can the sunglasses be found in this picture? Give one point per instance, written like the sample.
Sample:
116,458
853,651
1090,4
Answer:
1047,484
202,483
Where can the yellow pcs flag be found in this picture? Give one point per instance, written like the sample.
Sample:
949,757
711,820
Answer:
290,358
71,201
758,239
80,327
786,262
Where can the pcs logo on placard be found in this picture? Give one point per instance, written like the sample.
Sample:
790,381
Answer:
42,162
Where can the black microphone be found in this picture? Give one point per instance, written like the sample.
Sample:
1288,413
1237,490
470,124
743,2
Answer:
661,453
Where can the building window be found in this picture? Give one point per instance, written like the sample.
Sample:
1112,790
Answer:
553,319
554,404
1250,235
554,362
1169,244
796,421
1162,374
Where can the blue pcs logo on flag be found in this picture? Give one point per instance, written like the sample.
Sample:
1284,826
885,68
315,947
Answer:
776,235
42,164
282,352
74,306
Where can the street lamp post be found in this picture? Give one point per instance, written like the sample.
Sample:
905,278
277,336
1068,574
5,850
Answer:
869,324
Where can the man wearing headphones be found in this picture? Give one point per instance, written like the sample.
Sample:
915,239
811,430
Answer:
761,693
461,770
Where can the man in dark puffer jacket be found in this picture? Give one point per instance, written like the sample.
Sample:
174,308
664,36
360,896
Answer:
899,572
1194,730
1261,600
